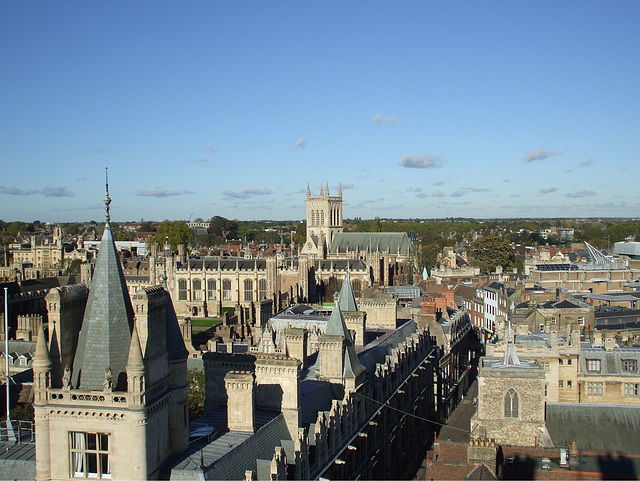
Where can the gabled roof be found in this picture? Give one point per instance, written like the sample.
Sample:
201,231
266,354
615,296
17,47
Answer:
105,335
392,242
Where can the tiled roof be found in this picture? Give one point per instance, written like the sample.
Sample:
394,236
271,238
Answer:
392,242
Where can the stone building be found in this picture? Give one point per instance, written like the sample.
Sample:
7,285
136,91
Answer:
511,404
110,387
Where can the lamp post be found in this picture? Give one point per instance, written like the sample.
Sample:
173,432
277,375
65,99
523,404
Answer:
10,434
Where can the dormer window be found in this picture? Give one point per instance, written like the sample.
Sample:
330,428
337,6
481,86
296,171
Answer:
629,365
593,365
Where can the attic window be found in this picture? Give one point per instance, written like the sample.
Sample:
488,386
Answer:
593,365
629,365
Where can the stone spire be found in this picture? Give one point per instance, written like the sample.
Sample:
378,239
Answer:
327,190
510,357
41,368
336,326
135,362
308,191
321,191
108,320
340,190
346,299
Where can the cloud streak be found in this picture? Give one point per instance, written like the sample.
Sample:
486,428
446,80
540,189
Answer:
160,192
539,154
46,191
380,119
548,191
581,193
300,144
245,193
422,161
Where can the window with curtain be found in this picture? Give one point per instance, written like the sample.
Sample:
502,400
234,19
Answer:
90,455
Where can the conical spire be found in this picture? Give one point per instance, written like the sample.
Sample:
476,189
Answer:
340,190
108,320
347,300
308,191
135,362
41,359
327,190
321,191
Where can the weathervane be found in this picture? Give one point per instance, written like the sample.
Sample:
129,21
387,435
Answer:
107,199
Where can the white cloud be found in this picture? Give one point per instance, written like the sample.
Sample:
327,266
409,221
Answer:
380,119
585,163
548,190
46,191
300,144
438,183
539,154
208,148
56,192
160,192
246,193
582,193
422,161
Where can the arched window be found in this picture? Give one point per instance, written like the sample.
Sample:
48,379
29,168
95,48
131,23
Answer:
262,289
248,290
182,290
511,404
356,285
322,218
196,286
211,289
226,290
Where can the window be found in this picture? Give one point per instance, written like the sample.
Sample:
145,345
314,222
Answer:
545,390
546,366
631,389
262,289
569,362
560,384
248,290
629,365
561,361
581,320
226,290
553,320
569,384
211,289
593,365
511,404
182,290
594,388
541,327
197,289
90,456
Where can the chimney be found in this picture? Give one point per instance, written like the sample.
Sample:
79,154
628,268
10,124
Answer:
240,400
609,342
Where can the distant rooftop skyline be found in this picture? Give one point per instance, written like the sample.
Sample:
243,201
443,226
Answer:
420,109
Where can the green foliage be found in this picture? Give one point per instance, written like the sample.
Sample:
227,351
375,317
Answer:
488,252
72,229
196,394
73,267
23,412
427,252
174,232
16,227
223,227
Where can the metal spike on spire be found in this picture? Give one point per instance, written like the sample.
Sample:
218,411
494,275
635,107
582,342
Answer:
107,199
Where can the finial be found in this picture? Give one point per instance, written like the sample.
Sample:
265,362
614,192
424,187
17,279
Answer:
327,191
308,191
107,199
340,190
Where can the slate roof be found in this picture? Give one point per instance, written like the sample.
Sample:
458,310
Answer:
106,327
596,428
346,299
226,263
392,242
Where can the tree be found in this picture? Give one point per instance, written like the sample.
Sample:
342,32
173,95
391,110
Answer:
71,229
16,227
492,251
196,394
427,252
174,232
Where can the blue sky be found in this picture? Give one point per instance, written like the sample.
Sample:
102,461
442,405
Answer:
420,109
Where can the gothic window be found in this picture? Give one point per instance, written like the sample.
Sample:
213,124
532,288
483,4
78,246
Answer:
511,404
262,289
90,455
211,289
356,285
182,290
322,218
197,289
248,290
226,290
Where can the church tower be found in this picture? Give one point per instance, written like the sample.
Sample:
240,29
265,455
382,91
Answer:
118,407
324,221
